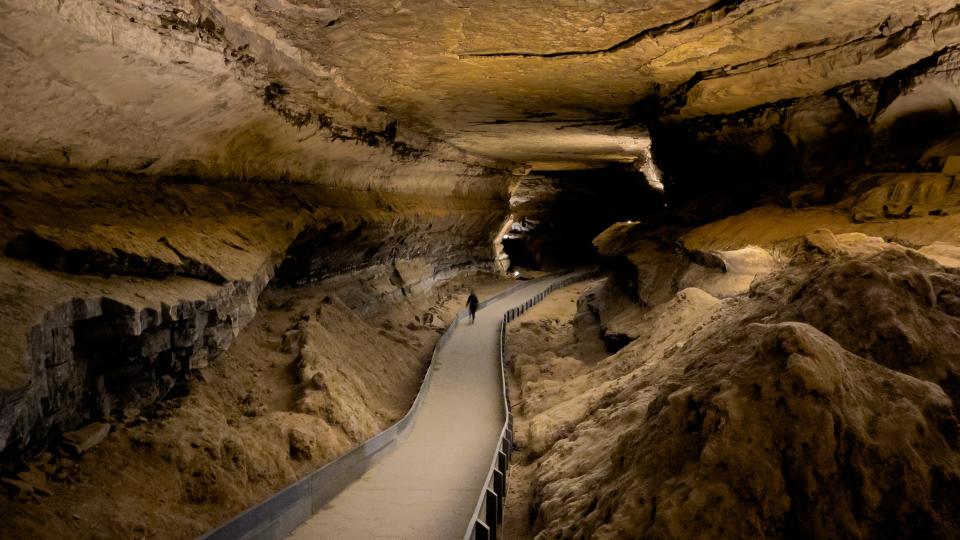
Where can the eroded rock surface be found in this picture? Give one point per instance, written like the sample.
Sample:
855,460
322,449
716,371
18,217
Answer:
278,404
115,286
286,89
773,166
766,415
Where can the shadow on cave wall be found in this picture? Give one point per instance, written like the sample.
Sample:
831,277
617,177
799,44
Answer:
800,152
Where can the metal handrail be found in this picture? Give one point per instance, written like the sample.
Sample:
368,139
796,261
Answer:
494,490
278,516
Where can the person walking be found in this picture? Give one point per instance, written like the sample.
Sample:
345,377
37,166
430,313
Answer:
472,305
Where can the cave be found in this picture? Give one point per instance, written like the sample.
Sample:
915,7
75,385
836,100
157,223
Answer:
557,214
327,269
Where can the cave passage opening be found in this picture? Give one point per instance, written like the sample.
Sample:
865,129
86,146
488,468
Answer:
557,214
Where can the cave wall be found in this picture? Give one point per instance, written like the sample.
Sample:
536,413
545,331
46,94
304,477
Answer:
113,287
810,150
187,148
161,163
192,88
91,357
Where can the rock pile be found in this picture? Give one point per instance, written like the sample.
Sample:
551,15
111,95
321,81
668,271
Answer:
819,403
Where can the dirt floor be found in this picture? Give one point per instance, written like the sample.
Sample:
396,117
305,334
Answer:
312,376
545,332
818,402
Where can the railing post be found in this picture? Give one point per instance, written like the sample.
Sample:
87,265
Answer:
500,488
481,531
503,462
493,516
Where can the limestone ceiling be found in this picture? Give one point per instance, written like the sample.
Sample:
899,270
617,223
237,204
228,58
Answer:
499,78
554,145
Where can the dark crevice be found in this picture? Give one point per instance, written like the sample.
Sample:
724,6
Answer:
900,82
194,268
274,97
50,254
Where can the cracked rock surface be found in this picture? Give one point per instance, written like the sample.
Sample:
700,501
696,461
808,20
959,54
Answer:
781,406
770,185
194,86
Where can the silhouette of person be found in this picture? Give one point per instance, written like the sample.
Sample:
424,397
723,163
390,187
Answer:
472,305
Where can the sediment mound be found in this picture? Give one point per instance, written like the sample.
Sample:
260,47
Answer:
776,432
897,308
817,406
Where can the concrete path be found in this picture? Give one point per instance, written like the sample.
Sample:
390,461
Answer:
428,487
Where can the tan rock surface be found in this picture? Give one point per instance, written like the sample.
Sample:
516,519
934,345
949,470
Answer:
804,422
239,430
182,85
162,275
775,340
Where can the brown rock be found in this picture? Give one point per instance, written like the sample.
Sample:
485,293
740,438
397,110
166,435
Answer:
17,487
86,437
823,241
36,479
300,447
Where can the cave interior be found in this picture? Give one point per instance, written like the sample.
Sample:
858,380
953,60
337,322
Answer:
176,174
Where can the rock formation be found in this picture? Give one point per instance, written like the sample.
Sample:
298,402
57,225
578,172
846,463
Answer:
779,176
798,416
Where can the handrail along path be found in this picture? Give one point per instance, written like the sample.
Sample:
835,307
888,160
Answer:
487,520
420,477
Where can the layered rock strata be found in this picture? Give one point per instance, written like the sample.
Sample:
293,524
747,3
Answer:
115,287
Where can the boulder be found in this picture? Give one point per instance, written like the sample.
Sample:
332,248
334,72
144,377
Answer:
87,437
823,241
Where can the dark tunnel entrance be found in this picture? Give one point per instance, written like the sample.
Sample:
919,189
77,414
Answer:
557,214
520,254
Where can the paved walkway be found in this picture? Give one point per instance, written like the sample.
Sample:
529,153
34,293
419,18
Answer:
428,487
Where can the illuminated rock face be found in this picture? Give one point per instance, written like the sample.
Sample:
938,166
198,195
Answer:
793,407
116,286
164,159
274,88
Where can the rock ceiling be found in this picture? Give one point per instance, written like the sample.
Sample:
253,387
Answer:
519,81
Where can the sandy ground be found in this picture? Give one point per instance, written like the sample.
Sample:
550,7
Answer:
819,402
544,331
427,487
307,380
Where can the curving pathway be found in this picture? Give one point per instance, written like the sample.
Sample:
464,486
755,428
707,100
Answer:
427,487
